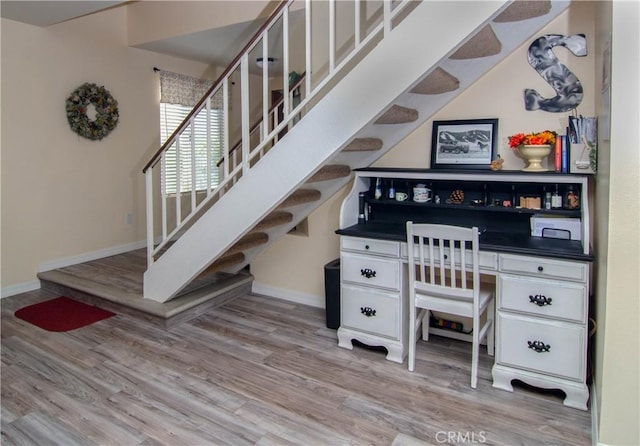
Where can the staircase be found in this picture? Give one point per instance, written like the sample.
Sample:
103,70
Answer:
399,73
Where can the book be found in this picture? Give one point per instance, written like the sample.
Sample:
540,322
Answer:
565,154
557,153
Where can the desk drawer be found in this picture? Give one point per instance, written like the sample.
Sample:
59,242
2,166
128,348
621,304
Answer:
488,260
371,271
553,299
542,267
371,311
370,246
562,346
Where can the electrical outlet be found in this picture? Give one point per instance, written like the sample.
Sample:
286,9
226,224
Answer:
128,218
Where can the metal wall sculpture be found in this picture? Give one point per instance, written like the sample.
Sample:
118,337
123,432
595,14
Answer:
566,84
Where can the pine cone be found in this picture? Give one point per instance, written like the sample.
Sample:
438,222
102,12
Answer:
457,196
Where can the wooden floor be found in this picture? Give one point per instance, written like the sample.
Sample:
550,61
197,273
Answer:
254,371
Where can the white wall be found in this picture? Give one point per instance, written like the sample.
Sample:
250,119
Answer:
64,195
617,282
156,20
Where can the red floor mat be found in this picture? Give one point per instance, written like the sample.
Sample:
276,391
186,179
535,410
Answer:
62,314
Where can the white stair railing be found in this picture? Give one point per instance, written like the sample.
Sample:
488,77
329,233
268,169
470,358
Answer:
350,28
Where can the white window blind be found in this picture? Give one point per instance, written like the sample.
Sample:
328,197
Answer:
179,93
171,115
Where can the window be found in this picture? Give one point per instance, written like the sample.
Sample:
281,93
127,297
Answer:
192,168
171,115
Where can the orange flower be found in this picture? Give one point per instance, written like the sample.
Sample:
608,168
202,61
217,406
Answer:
535,139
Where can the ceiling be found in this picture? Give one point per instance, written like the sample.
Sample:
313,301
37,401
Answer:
215,46
45,13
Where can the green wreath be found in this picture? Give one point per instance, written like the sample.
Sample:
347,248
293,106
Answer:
106,111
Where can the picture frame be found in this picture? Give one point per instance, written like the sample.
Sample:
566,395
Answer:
464,144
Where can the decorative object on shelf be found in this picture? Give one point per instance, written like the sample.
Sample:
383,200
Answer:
401,196
497,163
566,84
106,111
378,191
582,133
571,199
463,144
530,202
456,197
533,147
421,193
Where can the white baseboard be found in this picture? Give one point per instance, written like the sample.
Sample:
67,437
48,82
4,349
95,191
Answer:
25,287
89,256
12,290
289,295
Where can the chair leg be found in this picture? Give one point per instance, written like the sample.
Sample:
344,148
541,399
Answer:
491,333
412,338
425,325
475,351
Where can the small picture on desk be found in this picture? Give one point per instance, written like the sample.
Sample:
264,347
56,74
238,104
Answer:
463,144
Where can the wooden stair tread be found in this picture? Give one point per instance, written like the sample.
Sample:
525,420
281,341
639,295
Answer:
396,114
484,43
301,196
330,172
523,10
363,145
437,82
234,255
276,218
226,261
250,240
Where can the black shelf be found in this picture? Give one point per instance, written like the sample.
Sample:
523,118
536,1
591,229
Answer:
497,173
483,208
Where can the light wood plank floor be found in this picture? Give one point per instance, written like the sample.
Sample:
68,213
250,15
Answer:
256,371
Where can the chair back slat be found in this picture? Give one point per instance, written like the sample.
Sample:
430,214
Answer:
445,259
432,269
463,263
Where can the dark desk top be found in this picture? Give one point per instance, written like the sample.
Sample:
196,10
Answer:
489,241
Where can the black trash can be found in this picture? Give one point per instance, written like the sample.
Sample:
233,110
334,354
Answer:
332,293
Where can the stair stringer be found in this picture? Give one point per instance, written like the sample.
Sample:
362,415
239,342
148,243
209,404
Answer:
347,110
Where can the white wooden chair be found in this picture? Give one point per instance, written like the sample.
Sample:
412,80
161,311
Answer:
448,281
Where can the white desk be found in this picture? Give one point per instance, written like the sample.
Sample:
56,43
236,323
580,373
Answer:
541,305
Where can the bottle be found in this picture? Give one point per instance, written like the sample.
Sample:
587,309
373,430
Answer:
547,200
378,193
571,199
556,199
361,207
392,191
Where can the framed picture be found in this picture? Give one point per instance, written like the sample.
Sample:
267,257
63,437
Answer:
463,144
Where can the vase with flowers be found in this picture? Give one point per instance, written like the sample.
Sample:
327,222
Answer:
533,147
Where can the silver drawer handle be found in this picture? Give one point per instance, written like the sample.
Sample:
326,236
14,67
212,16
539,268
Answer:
540,300
539,346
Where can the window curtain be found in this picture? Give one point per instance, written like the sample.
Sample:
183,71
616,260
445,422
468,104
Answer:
181,89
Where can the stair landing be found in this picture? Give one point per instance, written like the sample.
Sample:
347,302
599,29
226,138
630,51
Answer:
115,283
